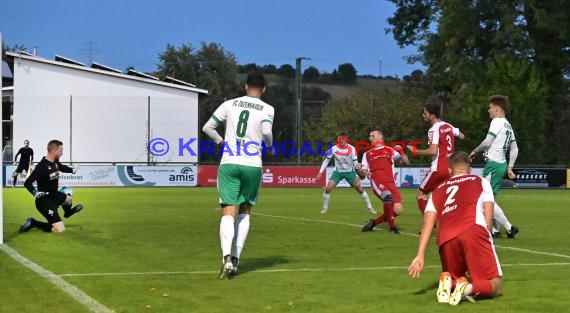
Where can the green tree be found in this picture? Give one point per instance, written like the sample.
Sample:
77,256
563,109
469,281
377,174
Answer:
477,48
311,74
269,69
347,73
398,115
287,71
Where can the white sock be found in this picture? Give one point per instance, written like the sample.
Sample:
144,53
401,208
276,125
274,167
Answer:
326,197
366,200
242,228
501,218
226,234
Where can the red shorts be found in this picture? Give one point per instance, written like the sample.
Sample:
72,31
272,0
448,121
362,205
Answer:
379,188
472,251
432,180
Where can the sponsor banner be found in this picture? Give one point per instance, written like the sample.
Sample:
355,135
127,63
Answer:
87,176
292,176
133,175
207,175
568,178
273,176
541,178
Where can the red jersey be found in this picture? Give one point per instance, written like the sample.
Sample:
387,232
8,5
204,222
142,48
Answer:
443,135
380,163
458,203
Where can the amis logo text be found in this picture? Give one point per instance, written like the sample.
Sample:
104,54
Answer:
186,174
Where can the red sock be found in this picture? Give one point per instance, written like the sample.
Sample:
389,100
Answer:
379,219
422,203
389,213
482,288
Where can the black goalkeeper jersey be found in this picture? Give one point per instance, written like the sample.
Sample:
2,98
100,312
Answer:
26,155
46,174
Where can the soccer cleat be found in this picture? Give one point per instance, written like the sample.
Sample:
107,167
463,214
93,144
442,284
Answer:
235,262
394,230
227,268
512,232
459,292
324,211
73,210
372,211
369,226
444,288
497,234
27,225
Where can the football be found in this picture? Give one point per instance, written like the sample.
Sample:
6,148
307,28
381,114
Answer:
66,190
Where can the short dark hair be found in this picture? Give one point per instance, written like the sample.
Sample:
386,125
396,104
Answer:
52,144
459,158
377,129
342,134
500,100
255,79
433,108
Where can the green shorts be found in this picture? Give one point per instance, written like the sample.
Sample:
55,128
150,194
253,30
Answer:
238,184
349,176
495,172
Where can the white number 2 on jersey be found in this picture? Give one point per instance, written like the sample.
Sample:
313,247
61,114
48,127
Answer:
451,191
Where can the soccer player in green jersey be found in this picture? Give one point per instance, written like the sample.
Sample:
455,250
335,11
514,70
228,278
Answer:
345,158
500,138
248,122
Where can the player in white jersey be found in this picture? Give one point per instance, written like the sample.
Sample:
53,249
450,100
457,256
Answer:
500,138
345,158
248,123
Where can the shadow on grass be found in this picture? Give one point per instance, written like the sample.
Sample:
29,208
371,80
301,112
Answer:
428,288
252,265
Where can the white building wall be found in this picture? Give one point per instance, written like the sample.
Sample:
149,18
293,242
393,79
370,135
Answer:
108,115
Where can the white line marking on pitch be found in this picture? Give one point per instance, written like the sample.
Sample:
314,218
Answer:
68,288
407,234
289,270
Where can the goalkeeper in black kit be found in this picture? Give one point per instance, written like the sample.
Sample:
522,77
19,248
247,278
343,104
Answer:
48,198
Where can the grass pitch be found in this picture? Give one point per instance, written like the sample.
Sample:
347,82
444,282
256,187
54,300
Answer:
157,250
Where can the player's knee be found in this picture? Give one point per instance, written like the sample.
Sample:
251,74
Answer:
398,208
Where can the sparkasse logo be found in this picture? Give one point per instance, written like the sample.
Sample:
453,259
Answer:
186,174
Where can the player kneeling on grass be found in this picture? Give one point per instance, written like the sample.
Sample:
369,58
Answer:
48,197
463,206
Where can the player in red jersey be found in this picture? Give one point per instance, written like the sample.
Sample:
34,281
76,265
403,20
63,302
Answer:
463,207
378,165
441,141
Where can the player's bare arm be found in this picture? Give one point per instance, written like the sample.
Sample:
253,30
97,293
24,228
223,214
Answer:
417,264
431,151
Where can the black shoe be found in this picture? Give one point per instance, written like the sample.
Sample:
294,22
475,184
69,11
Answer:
394,230
369,226
235,262
226,268
73,210
27,225
497,234
512,232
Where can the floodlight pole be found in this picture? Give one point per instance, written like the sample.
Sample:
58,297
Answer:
299,106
